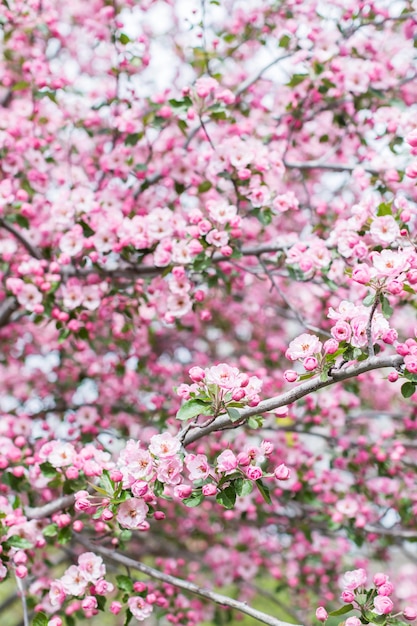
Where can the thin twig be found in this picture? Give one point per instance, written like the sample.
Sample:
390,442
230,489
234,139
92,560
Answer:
22,594
371,350
7,308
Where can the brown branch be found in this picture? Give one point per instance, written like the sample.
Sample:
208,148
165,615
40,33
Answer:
19,236
39,512
333,167
223,421
186,585
7,308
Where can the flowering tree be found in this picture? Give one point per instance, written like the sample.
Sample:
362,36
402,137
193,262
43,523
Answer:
207,309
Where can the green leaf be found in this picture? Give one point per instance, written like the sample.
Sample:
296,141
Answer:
369,300
124,39
344,609
132,139
204,186
87,230
243,486
158,488
22,84
64,535
129,616
408,389
124,583
40,619
227,497
234,414
255,422
48,470
284,42
384,209
264,491
296,79
101,602
83,333
191,409
22,221
19,542
50,531
194,500
387,309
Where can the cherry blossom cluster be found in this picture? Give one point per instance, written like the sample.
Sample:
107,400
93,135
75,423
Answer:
373,603
129,492
221,386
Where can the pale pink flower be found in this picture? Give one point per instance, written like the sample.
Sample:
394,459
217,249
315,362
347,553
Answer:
384,229
285,202
62,454
73,241
302,346
91,566
164,445
389,262
29,297
179,305
383,605
169,470
223,375
56,593
132,513
221,211
354,579
217,238
73,581
139,608
197,466
72,296
226,462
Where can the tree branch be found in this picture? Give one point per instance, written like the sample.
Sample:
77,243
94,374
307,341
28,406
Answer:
333,167
310,386
251,81
18,235
7,308
183,584
39,512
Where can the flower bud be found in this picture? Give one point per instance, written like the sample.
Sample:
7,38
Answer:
321,614
410,613
282,472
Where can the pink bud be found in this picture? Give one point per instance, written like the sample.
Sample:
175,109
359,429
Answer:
197,374
282,472
410,613
209,490
347,596
238,395
310,363
290,376
330,346
321,614
115,608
